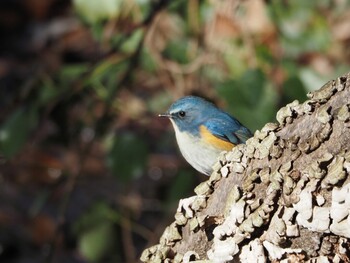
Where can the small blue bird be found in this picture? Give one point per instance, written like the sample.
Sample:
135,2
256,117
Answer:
203,131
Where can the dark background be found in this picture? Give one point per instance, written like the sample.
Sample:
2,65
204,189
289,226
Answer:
88,173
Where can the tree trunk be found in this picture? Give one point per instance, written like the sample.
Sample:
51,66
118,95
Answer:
284,196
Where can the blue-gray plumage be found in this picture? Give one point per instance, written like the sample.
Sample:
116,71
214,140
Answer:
203,131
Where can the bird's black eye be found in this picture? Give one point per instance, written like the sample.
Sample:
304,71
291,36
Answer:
182,114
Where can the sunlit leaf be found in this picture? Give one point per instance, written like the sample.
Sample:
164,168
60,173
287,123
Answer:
94,11
96,241
132,42
235,58
311,79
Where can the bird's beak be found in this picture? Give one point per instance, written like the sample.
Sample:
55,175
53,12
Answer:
164,115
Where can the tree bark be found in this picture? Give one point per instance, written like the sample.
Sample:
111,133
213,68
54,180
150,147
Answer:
284,196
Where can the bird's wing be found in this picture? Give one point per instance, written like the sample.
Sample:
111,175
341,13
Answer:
228,129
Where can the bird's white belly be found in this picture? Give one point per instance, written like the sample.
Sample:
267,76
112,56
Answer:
200,155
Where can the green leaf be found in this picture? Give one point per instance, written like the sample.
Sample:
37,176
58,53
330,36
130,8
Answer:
51,89
236,57
293,89
246,90
16,129
250,98
147,61
106,67
177,50
48,91
303,27
132,42
311,79
96,242
263,53
104,77
182,185
72,72
93,11
127,157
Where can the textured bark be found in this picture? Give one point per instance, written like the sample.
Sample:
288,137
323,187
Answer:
284,196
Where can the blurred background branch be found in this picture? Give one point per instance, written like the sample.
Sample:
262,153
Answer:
82,83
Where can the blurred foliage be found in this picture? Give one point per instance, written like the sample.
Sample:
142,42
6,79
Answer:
96,232
301,28
254,110
93,11
127,156
15,131
82,83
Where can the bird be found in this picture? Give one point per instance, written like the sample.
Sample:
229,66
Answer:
203,131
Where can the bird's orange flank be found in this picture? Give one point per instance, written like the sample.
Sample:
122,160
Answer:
211,139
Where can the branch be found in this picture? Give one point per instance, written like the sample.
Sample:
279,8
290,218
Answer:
284,195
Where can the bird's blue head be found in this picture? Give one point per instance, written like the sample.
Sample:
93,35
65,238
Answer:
189,112
203,131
